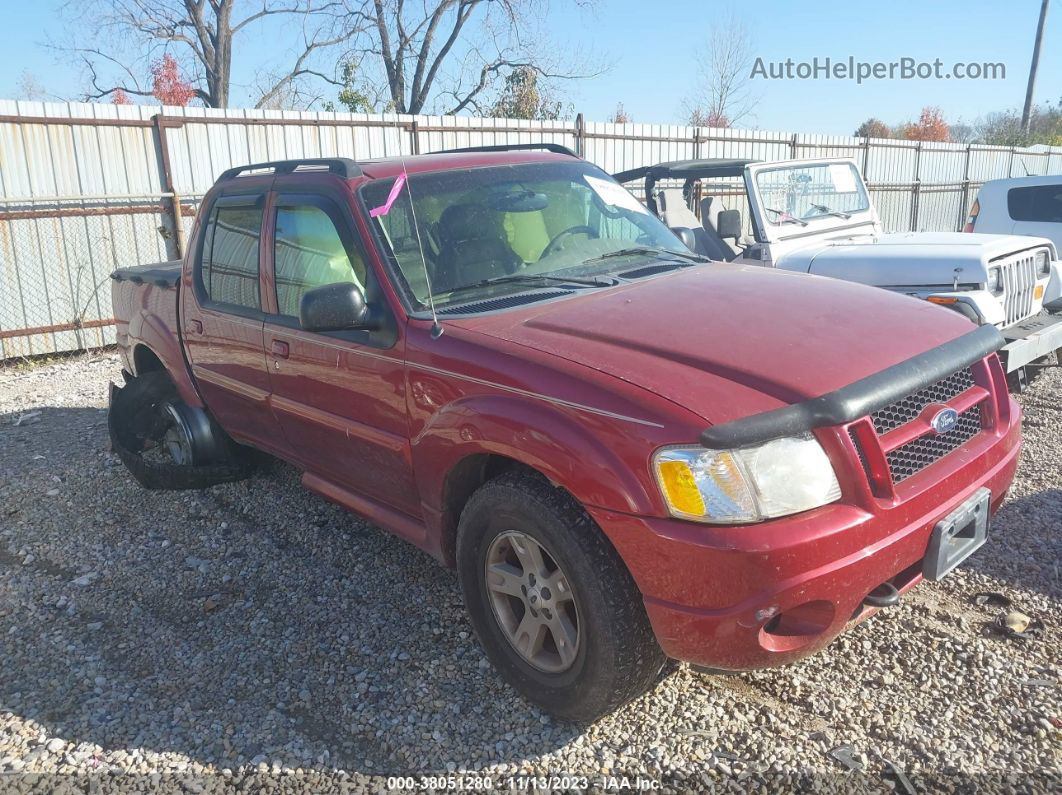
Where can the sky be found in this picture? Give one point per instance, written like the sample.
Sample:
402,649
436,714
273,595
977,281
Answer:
651,53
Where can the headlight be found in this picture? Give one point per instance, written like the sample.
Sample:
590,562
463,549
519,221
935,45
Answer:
736,486
995,280
1043,263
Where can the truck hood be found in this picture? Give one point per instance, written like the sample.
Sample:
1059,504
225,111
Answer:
911,259
726,341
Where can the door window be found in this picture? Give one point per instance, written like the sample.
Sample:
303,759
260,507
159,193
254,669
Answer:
309,252
229,269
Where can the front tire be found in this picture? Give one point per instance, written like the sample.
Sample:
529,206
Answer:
551,602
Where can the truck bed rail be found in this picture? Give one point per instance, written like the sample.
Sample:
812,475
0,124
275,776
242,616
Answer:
160,274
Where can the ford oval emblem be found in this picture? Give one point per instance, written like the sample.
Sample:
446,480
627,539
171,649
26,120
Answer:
945,420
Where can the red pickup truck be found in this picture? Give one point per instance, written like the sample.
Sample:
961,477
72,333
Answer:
628,453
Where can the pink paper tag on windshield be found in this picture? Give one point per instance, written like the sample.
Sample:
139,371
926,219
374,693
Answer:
385,208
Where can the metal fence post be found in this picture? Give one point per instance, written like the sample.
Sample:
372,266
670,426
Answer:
580,135
160,124
964,200
414,134
793,147
916,187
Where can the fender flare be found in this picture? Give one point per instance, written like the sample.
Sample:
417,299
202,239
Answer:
552,441
152,331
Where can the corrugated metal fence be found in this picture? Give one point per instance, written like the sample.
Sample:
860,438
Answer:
87,188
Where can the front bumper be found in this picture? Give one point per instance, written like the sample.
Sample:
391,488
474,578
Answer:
1031,339
740,598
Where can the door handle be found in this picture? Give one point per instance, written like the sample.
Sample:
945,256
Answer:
195,326
280,349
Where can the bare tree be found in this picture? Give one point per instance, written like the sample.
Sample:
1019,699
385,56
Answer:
126,34
29,86
449,54
724,96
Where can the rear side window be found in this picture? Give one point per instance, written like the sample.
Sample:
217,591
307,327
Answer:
309,252
1041,203
229,267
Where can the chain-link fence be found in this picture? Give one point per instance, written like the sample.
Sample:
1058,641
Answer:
85,189
55,266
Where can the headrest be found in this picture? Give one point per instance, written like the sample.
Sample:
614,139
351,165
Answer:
460,222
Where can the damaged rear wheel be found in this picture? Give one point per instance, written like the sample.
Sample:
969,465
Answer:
164,442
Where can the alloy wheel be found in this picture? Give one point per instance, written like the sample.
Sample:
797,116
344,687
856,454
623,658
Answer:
532,601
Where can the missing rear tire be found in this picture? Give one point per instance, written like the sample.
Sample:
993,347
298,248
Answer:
164,442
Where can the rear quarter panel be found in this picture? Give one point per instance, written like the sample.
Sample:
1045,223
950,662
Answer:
146,316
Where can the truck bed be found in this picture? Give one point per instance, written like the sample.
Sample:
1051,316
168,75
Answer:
144,298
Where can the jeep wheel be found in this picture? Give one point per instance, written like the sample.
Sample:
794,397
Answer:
553,605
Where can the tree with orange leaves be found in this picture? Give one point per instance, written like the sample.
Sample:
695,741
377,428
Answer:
929,127
167,84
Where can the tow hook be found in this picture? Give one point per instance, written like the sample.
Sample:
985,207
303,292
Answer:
885,595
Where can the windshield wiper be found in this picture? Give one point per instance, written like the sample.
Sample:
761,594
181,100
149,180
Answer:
786,218
663,253
533,279
822,208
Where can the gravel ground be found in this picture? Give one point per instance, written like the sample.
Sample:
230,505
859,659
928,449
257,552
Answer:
252,636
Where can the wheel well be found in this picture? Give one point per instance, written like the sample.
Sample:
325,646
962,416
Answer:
145,360
461,481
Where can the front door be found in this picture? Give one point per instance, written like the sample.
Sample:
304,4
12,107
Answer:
221,318
339,396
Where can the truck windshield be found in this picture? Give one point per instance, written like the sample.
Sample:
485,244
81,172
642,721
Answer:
479,226
798,194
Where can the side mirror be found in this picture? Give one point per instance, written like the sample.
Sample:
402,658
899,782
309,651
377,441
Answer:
728,224
335,307
685,234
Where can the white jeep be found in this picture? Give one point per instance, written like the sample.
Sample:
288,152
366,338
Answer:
815,216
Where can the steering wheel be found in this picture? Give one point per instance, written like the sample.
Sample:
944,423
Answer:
553,246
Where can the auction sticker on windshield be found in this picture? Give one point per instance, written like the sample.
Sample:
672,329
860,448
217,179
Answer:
842,177
614,194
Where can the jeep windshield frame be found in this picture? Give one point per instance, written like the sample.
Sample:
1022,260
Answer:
545,218
805,198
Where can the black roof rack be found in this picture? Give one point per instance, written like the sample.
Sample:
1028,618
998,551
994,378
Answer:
689,170
343,166
545,147
709,168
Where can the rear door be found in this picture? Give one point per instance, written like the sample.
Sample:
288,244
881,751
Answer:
222,318
339,396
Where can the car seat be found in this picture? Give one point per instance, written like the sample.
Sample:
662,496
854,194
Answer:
472,247
711,206
675,214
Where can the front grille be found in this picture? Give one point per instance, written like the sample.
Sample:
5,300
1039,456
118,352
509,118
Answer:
906,409
913,457
1019,282
858,445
